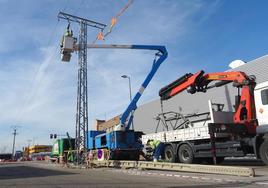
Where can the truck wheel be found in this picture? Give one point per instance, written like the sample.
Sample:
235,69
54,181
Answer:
264,152
169,154
186,154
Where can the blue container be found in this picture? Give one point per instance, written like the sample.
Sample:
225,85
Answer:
117,140
90,140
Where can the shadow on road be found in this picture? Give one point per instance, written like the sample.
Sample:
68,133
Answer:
16,172
243,162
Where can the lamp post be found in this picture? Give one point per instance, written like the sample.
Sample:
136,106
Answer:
130,93
129,85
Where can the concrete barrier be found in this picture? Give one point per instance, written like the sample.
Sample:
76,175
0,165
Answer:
195,168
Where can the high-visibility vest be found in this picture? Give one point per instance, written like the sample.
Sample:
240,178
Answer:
154,143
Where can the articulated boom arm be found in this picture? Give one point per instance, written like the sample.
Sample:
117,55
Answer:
127,116
179,85
199,82
238,78
69,46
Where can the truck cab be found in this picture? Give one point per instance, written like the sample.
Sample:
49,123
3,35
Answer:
261,103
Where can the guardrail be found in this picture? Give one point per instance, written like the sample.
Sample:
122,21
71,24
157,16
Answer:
195,168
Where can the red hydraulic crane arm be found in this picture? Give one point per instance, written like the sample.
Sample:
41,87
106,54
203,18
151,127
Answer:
238,78
179,85
245,109
199,82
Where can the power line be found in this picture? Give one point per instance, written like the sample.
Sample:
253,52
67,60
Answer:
101,35
31,95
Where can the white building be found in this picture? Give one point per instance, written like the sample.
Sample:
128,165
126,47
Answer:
186,103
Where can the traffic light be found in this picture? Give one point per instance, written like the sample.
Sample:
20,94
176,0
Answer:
53,136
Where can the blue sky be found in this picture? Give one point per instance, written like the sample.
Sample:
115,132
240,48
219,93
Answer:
38,92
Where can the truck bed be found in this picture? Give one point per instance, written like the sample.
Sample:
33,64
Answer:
196,131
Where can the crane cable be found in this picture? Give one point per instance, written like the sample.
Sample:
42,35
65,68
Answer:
101,35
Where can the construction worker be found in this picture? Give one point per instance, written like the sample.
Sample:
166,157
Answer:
68,33
157,147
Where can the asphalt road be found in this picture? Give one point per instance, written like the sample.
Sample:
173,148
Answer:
33,174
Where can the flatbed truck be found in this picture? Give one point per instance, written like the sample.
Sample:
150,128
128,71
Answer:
218,133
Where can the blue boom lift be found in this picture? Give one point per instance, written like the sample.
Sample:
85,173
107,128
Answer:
121,142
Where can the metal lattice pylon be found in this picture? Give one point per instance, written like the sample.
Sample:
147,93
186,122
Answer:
82,100
82,105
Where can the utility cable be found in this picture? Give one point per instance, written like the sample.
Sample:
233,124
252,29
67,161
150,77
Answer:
38,77
29,97
101,35
44,66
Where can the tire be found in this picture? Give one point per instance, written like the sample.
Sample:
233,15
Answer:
186,154
169,154
264,151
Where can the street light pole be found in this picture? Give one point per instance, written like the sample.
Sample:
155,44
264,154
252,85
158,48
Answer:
130,92
129,85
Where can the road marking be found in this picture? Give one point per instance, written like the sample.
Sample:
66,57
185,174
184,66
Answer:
262,183
230,180
197,178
